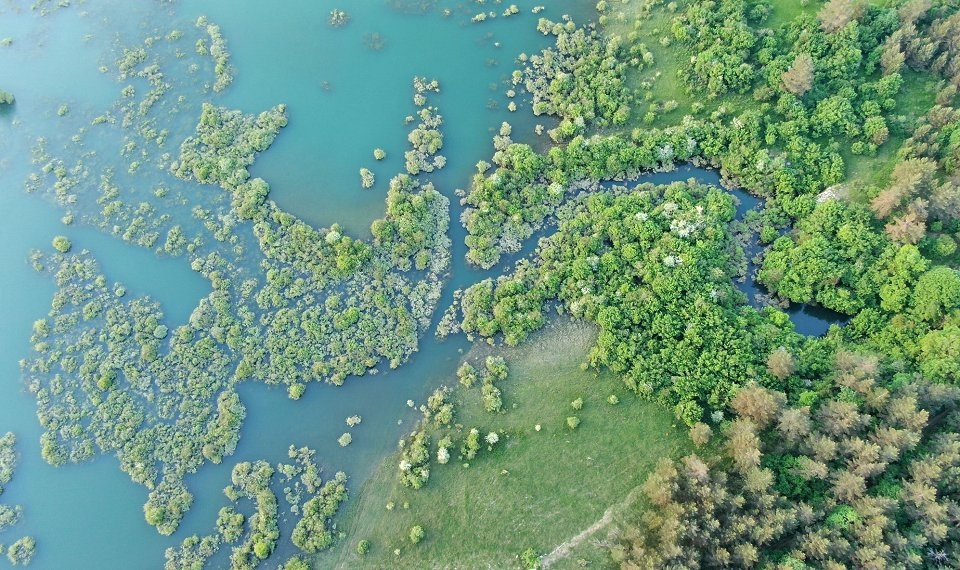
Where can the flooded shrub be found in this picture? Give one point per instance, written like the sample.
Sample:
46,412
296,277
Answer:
338,18
367,178
62,244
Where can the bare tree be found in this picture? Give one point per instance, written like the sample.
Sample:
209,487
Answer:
836,14
799,78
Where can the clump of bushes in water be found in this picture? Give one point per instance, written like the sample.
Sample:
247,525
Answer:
258,540
422,244
226,143
8,458
427,140
6,98
223,71
338,18
367,178
22,550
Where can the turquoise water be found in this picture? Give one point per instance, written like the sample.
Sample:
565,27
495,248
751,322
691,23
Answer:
89,515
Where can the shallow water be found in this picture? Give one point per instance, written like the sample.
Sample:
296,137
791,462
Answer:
89,515
344,99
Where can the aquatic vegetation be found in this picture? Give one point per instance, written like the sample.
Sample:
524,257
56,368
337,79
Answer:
426,138
21,552
412,235
8,458
118,376
312,533
338,18
366,178
106,363
374,41
412,6
251,481
226,143
6,98
62,244
255,536
223,71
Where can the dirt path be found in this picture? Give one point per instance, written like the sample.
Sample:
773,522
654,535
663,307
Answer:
567,547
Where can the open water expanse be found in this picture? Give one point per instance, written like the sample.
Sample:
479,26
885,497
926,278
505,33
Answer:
348,91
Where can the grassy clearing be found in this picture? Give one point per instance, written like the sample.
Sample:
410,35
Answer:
658,83
785,11
534,489
917,96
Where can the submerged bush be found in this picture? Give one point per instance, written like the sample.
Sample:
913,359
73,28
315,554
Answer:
62,244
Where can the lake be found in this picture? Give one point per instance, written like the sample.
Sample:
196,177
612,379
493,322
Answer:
347,92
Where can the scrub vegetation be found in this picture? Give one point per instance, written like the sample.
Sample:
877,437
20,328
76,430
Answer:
21,551
253,537
111,377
